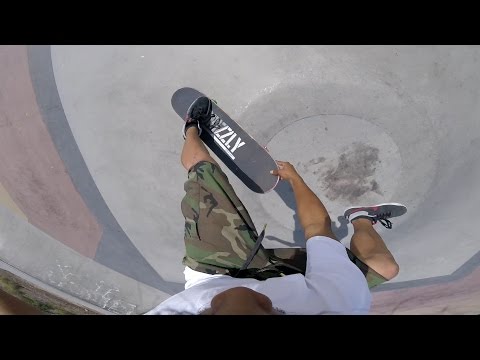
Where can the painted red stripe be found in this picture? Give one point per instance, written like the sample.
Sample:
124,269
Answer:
31,169
432,298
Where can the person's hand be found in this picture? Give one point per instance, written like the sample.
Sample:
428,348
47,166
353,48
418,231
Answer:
286,171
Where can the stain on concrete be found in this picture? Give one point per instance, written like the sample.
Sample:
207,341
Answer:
304,167
98,292
475,143
352,176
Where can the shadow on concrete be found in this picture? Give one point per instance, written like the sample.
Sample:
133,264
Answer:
284,190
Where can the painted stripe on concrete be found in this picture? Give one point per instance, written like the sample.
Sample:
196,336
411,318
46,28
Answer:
115,249
456,297
30,168
7,201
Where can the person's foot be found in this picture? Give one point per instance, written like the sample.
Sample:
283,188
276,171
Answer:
199,112
380,213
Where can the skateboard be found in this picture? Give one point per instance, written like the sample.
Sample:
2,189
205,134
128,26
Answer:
233,146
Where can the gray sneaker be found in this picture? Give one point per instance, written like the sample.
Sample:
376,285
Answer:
380,213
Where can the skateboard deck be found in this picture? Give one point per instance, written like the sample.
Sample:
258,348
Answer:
233,146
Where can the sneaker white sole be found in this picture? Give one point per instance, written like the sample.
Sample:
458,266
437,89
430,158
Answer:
185,135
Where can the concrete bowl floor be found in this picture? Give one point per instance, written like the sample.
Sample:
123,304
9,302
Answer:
91,182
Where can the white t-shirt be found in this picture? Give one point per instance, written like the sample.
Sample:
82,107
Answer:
332,285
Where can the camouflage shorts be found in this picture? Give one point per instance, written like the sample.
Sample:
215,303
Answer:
220,235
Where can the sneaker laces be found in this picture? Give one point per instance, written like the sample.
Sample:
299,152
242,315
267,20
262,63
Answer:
196,115
383,219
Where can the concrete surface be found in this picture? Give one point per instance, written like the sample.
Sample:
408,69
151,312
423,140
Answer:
91,184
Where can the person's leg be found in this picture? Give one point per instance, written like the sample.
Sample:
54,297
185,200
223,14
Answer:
194,150
366,244
219,233
369,247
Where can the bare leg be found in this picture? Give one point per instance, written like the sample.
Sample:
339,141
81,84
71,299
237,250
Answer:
369,247
194,150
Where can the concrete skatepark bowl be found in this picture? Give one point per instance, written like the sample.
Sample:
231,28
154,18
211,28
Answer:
91,183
